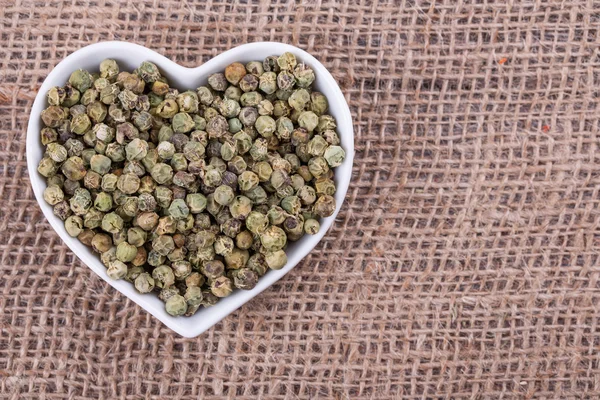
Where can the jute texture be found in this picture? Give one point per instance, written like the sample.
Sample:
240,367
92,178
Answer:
463,265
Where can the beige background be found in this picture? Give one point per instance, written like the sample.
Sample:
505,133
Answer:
464,263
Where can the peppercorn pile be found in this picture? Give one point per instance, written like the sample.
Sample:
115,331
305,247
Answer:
190,194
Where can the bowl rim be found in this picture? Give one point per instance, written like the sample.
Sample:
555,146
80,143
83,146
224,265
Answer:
213,315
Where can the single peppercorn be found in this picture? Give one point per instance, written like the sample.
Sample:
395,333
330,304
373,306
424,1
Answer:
221,286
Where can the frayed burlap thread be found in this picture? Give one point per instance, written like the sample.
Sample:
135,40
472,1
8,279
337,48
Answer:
464,263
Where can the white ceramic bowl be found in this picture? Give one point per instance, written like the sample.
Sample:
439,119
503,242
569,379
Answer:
129,56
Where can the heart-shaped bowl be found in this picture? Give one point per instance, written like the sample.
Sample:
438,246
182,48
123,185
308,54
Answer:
129,56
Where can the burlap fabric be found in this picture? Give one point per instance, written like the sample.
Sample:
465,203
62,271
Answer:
464,263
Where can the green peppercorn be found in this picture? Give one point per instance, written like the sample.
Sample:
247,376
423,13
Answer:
258,264
268,82
112,223
89,97
228,150
74,169
162,173
74,225
249,83
56,152
318,166
119,237
213,269
311,226
144,283
297,181
193,151
132,82
167,292
163,196
196,202
93,218
126,252
229,108
276,259
291,204
147,185
81,80
237,258
256,222
221,286
81,201
324,185
218,82
205,96
57,180
155,259
250,99
273,238
148,72
248,115
62,210
244,240
258,151
257,195
270,64
179,162
223,245
334,155
299,99
265,126
163,276
128,183
109,69
136,236
109,256
245,279
100,163
276,215
100,135
140,258
117,270
324,206
109,182
176,305
202,255
217,126
103,202
293,227
308,120
56,96
142,120
304,75
53,195
101,242
86,156
179,209
195,279
136,149
163,245
193,296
